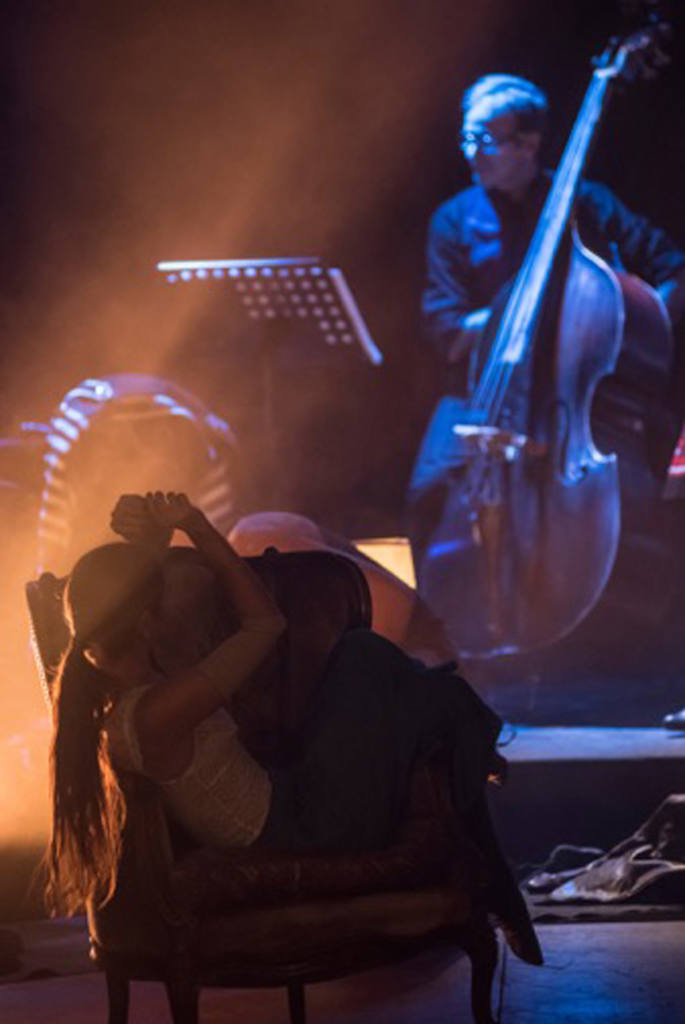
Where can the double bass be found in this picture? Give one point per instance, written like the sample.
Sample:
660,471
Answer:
515,510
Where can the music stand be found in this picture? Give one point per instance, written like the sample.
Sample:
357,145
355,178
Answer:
287,292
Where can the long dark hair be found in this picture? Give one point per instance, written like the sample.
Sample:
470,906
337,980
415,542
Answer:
107,591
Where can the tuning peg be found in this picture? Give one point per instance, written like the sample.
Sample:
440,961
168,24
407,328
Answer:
602,59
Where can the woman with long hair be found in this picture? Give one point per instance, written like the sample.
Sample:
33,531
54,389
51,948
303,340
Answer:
114,710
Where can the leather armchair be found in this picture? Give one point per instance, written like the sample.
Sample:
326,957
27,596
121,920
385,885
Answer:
243,918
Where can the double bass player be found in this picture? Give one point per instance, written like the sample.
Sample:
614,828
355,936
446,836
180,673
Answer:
477,238
511,537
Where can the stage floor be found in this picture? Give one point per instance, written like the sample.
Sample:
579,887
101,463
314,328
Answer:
525,743
593,699
579,785
594,974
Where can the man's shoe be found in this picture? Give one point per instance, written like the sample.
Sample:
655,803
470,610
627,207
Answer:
675,721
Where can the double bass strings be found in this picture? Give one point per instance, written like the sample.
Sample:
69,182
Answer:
514,333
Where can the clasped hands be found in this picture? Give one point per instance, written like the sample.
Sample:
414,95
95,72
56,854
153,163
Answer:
151,519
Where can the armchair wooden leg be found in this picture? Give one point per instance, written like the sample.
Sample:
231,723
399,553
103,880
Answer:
481,947
296,1003
117,996
184,996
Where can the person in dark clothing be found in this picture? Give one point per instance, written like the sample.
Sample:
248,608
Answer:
478,238
117,710
477,241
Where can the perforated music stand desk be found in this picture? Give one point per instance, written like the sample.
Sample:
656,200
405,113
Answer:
277,296
290,289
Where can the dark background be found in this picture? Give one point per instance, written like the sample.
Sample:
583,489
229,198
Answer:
178,129
133,133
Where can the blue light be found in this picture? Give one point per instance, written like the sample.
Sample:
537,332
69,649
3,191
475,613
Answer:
67,428
75,415
40,427
60,443
186,275
102,391
444,548
214,421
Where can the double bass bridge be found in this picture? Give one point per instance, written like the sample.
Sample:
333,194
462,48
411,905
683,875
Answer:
495,443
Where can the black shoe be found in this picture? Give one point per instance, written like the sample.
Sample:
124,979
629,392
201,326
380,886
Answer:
675,721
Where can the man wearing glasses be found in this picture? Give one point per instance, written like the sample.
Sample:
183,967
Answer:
478,238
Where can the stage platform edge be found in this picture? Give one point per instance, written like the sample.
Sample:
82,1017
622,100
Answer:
584,786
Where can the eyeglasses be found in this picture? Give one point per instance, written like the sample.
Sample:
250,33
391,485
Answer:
483,140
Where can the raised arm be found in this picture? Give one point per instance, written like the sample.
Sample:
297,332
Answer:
169,711
245,590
